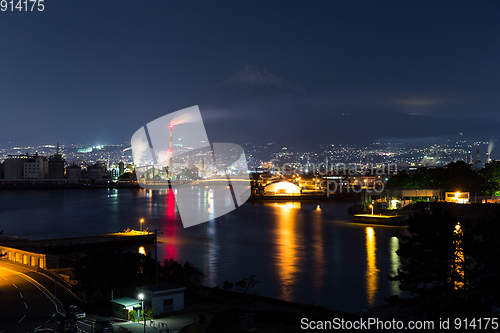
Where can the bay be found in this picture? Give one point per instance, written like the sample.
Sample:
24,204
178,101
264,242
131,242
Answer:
305,252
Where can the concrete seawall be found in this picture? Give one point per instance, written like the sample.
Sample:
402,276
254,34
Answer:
121,238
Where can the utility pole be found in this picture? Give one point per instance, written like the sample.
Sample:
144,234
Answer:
156,253
156,257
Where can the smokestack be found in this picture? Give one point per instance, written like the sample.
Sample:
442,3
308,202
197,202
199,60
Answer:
171,158
491,145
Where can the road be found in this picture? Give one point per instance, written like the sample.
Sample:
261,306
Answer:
27,299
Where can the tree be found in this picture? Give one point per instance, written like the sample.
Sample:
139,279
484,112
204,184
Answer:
2,254
133,315
485,272
491,174
185,274
106,269
246,284
455,176
434,269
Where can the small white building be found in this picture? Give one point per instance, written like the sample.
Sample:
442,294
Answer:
458,197
163,298
121,307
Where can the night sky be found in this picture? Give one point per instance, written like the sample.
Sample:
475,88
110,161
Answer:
96,71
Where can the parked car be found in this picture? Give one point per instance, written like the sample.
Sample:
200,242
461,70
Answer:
68,326
103,326
76,312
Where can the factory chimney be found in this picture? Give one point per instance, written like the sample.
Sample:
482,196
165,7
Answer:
171,157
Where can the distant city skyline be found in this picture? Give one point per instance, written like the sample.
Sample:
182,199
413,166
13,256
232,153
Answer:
377,153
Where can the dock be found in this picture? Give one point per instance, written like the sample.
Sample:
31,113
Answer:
389,220
119,239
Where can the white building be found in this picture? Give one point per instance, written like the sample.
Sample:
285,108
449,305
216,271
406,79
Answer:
35,168
163,298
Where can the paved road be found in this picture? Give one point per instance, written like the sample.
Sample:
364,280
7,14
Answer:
28,299
28,302
25,305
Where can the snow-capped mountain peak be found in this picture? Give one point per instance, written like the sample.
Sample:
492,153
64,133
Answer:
258,78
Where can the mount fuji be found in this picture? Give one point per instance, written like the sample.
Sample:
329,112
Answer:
258,78
250,83
255,105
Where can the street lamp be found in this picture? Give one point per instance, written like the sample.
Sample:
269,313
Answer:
142,221
371,206
141,296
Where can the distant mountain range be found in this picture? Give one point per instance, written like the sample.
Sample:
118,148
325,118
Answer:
255,105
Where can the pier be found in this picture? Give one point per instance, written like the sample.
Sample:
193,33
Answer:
395,220
119,238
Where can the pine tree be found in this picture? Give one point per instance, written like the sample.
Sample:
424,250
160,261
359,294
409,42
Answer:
433,265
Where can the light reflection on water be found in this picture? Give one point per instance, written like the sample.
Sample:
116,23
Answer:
288,242
297,251
395,264
371,267
319,259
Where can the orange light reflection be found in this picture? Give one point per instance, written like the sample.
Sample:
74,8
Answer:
371,275
287,247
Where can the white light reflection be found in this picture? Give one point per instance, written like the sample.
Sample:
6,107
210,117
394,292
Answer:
395,264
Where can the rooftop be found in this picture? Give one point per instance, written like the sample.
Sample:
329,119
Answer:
162,287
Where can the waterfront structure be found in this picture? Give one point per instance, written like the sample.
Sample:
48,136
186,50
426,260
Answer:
457,197
163,298
13,167
73,174
95,171
121,168
56,167
281,188
36,167
24,257
399,198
